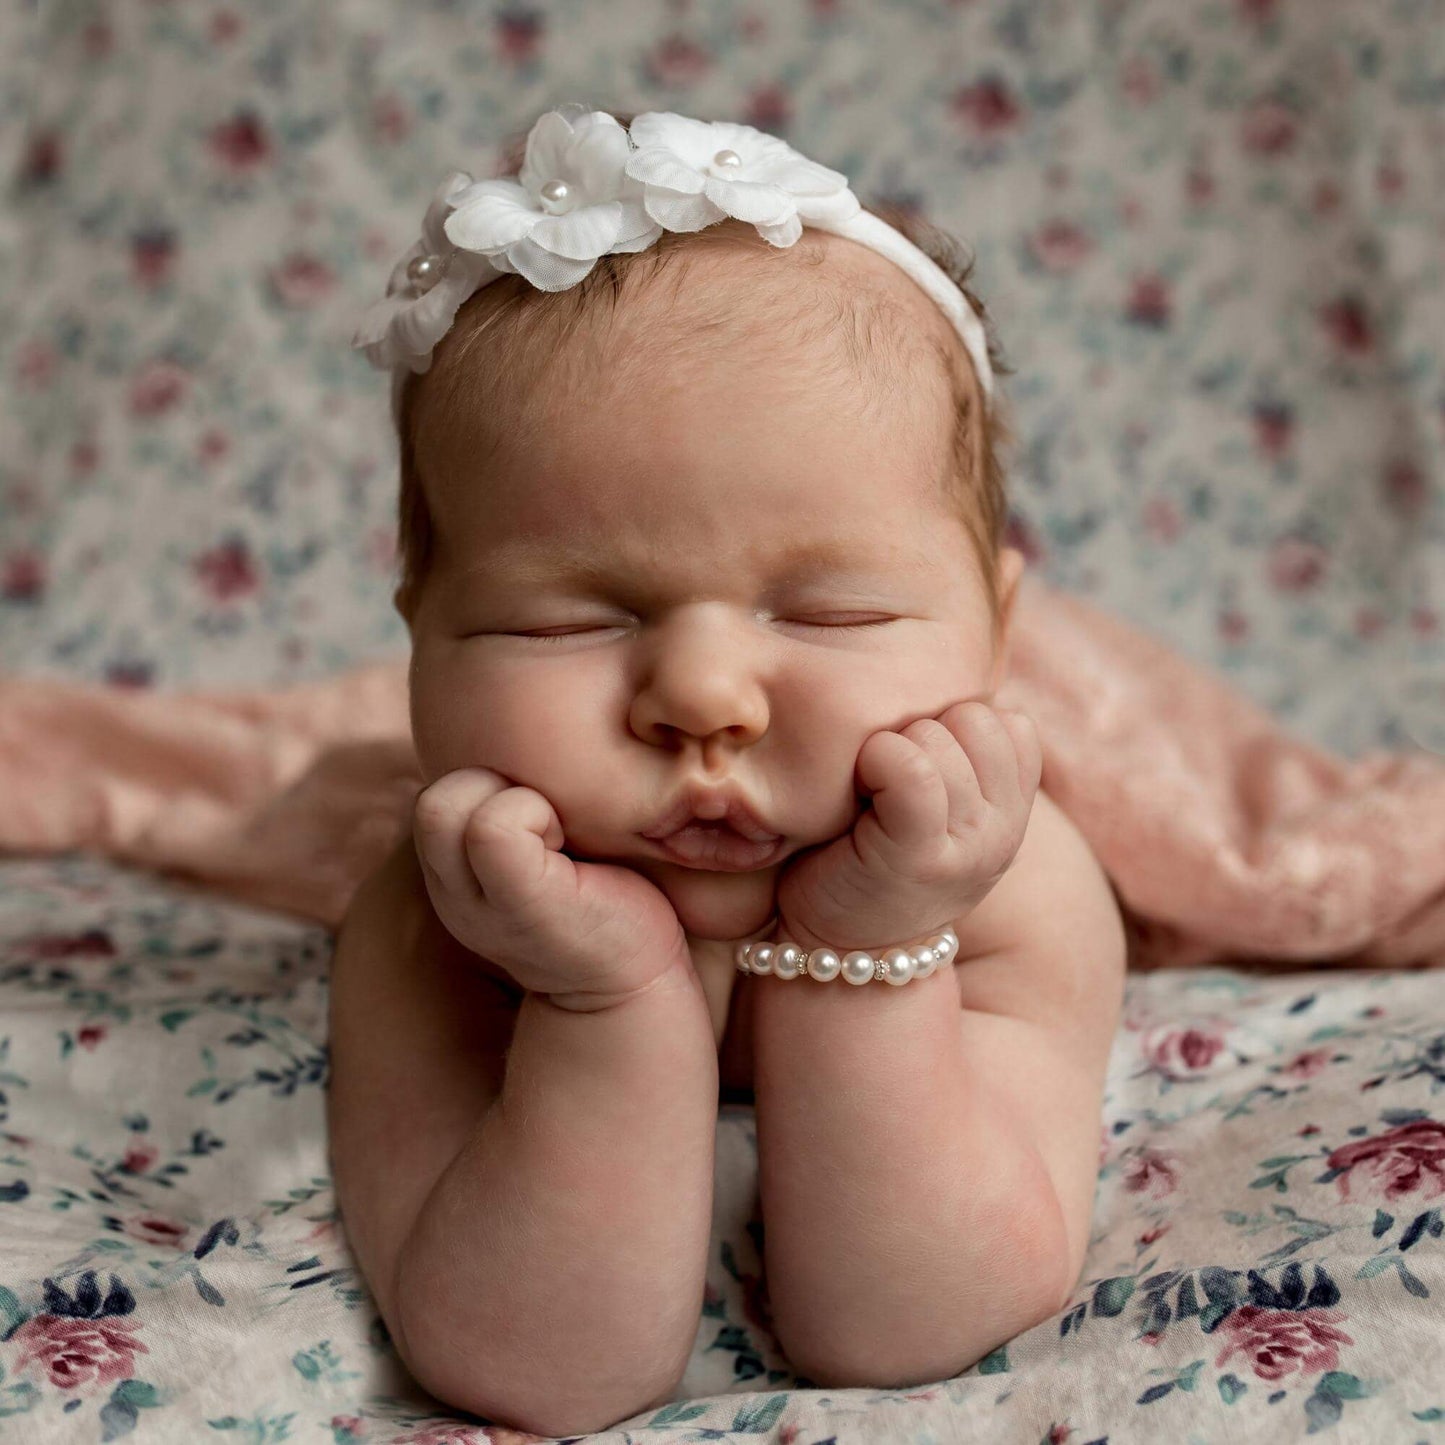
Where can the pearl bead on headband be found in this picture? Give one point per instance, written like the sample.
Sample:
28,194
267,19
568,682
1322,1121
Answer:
588,187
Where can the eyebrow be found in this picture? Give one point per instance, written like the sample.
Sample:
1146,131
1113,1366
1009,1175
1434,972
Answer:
525,563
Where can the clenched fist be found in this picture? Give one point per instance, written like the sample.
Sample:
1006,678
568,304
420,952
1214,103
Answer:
588,935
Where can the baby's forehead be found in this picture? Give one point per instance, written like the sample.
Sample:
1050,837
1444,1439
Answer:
826,316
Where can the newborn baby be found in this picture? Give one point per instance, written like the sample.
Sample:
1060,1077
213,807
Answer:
708,608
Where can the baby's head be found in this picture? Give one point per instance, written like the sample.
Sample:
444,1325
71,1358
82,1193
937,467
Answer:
711,516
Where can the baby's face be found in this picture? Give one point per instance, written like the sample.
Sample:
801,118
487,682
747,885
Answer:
732,579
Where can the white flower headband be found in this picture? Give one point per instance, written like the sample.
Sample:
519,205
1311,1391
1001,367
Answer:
588,188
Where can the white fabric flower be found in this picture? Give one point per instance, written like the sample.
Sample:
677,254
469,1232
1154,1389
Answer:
695,173
571,202
406,324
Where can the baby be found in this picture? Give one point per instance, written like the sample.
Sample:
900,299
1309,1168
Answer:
708,607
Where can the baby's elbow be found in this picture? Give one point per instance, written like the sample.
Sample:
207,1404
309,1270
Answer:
550,1404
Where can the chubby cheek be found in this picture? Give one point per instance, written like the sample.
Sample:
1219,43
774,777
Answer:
542,732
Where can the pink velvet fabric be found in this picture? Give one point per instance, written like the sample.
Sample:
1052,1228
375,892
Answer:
1225,838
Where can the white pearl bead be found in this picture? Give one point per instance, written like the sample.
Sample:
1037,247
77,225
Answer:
740,956
924,960
858,966
943,945
762,958
788,961
555,193
727,158
424,272
897,965
823,964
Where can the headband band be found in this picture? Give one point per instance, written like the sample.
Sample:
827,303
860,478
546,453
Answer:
588,188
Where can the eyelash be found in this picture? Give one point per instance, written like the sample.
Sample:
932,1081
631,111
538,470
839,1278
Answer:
831,626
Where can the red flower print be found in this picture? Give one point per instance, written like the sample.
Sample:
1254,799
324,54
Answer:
1182,1053
1279,1342
39,364
78,1352
227,571
157,387
390,118
1161,520
1295,565
1149,303
769,109
43,158
139,1157
518,35
89,1035
1409,1159
241,144
1139,80
1404,488
1233,625
225,26
987,107
1060,246
152,257
467,1435
302,281
1307,1064
1269,128
22,576
1273,429
156,1229
677,61
1151,1173
1347,324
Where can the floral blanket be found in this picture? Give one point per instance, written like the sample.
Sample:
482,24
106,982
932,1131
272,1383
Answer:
1266,1262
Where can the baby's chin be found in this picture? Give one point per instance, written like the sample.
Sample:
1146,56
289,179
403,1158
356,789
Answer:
715,905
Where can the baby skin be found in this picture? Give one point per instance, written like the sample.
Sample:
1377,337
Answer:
737,578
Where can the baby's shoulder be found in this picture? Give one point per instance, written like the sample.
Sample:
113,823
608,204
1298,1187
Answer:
1049,936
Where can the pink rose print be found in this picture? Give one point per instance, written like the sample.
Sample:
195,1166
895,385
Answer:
1060,247
1405,1160
1151,1173
139,1157
156,1229
77,1352
1182,1053
1307,1064
1279,1342
467,1435
988,107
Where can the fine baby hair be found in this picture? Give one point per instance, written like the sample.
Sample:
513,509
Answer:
594,194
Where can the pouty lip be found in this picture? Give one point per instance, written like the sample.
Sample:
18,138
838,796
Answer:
696,801
719,852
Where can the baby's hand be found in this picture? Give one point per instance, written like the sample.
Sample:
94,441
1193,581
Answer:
951,800
586,934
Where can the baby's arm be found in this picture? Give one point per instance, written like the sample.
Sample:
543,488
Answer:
927,1170
527,1189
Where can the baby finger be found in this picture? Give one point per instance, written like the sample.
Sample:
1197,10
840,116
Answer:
1025,734
512,844
981,734
439,819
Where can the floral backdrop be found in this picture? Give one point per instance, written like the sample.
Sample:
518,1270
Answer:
1210,237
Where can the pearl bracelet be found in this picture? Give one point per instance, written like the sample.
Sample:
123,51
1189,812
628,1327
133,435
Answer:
895,965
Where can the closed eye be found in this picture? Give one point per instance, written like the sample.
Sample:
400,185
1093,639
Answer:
801,622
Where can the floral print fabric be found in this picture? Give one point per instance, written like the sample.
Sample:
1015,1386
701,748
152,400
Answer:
1266,1261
